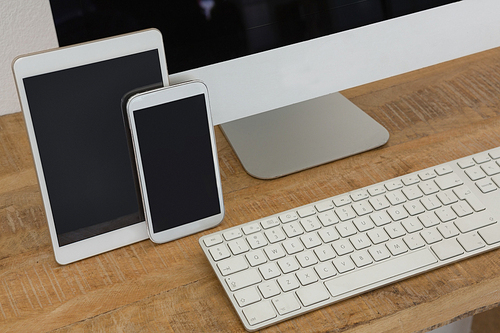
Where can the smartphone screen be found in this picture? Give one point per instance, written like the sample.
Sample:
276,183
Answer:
178,162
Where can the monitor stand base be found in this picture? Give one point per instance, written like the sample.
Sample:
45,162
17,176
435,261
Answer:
303,135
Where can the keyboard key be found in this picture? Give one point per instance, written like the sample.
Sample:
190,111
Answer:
448,181
462,209
247,296
232,265
269,223
232,234
481,158
269,270
429,219
445,214
325,270
286,303
293,246
376,190
395,198
443,170
475,173
426,175
293,229
360,241
324,252
238,246
256,258
448,249
447,197
288,264
313,294
448,230
377,236
307,258
363,224
362,208
212,240
328,218
288,217
414,241
306,276
491,234
310,224
274,235
288,282
467,163
345,213
359,195
380,272
412,192
256,240
490,168
361,258
243,279
343,264
412,225
258,313
310,240
393,185
380,218
428,187
306,211
397,247
431,236
274,252
328,234
346,229
379,202
431,202
343,247
269,289
414,208
397,213
486,185
471,242
379,253
474,222
219,252
341,200
251,228
324,206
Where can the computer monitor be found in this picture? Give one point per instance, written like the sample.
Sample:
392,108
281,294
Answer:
273,67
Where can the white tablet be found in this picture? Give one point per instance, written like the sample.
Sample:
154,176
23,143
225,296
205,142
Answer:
71,99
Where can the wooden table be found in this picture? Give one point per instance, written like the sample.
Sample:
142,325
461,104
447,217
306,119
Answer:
434,115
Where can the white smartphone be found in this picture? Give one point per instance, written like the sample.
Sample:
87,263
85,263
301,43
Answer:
176,157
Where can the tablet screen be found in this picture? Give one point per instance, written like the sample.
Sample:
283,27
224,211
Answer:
83,144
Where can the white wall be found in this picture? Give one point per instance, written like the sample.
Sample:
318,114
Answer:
25,26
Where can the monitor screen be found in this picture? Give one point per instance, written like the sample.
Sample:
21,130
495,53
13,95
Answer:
197,33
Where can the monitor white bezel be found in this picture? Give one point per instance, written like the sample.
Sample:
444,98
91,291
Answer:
272,79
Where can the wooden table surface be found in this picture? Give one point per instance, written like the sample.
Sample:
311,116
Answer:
434,115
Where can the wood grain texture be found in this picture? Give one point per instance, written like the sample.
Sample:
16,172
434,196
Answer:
434,115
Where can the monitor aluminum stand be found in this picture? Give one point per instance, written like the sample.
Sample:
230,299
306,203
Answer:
303,135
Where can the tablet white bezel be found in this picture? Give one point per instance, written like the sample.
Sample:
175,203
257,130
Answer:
158,97
70,57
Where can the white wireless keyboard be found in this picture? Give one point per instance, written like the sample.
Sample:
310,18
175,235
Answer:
284,265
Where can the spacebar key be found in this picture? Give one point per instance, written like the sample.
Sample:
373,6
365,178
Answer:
380,272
